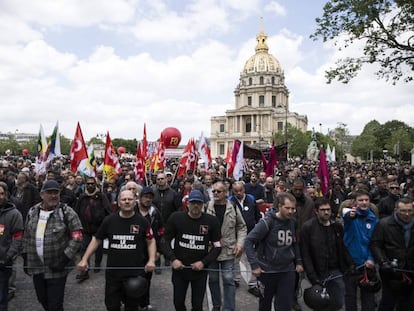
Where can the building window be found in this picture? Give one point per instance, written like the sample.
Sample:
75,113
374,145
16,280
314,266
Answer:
248,125
249,100
273,80
221,149
221,128
261,101
280,126
273,101
250,81
261,81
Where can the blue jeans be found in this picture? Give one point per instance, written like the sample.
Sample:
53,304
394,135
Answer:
4,288
229,289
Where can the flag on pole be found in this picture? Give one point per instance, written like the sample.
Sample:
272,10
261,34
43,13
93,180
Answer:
144,150
189,159
204,151
333,155
238,160
54,145
270,163
41,152
328,154
323,172
229,163
111,164
78,151
160,160
139,168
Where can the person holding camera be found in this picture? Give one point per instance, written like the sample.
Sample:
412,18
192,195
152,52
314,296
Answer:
392,245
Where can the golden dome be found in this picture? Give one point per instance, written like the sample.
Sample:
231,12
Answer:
262,61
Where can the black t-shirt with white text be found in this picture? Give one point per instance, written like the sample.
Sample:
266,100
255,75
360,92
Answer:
127,243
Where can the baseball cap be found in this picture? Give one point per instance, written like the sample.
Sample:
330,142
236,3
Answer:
196,196
50,185
147,190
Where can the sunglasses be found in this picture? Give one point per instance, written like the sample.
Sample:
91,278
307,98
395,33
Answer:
217,191
394,188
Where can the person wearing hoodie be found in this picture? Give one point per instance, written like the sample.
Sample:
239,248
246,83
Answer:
274,256
359,224
11,233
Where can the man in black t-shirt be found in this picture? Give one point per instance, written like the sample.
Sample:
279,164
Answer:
196,245
131,244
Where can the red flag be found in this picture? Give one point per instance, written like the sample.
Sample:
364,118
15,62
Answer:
230,164
189,159
139,168
160,160
144,149
272,162
78,151
323,172
204,151
111,164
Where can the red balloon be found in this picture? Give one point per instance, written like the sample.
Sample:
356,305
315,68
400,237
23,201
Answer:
172,137
25,152
121,150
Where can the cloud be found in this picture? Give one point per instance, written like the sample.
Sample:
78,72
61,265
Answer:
276,7
74,13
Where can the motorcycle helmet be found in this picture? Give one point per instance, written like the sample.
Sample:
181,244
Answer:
135,287
316,297
370,281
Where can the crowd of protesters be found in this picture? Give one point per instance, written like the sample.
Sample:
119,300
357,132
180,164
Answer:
364,225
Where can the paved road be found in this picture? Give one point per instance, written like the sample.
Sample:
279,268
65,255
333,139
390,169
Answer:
90,294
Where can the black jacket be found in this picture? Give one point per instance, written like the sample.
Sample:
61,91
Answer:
386,205
387,243
314,248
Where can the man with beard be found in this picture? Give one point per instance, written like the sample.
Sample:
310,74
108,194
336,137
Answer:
25,195
196,245
153,215
392,245
93,206
255,189
167,201
131,247
304,211
269,190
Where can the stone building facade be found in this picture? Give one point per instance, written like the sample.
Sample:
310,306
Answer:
261,104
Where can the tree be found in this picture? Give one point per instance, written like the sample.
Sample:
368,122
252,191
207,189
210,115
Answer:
384,26
394,136
298,141
367,142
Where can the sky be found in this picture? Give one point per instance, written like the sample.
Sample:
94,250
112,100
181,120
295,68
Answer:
113,65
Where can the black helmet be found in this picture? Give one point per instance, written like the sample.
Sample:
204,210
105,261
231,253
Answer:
370,281
135,287
316,297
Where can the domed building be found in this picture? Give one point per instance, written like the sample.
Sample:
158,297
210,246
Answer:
262,105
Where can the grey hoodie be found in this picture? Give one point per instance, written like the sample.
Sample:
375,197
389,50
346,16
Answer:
271,245
11,231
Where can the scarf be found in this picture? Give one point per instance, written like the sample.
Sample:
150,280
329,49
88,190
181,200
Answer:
407,228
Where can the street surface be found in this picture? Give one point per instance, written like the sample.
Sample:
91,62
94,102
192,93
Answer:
89,295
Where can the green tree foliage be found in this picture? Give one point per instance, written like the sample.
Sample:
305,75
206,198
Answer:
10,144
129,144
378,137
384,26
